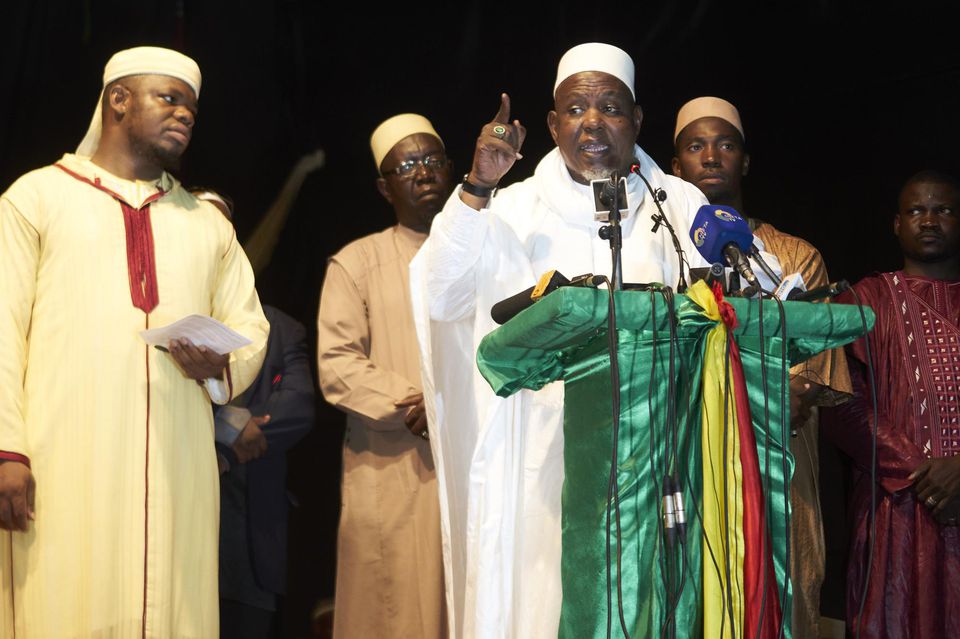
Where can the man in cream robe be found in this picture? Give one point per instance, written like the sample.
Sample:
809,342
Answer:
500,461
710,153
389,563
117,435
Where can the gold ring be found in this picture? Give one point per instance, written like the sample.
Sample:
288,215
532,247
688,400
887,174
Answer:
500,131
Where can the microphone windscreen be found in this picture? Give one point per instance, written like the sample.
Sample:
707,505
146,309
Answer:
504,310
714,227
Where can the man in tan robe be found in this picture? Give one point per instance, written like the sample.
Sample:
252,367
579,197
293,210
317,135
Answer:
389,561
709,152
108,477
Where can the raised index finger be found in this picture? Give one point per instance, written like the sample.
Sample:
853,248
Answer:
503,114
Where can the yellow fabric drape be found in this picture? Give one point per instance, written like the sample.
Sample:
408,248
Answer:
722,480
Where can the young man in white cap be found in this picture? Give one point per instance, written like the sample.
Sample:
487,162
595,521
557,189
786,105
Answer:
108,477
709,152
389,562
500,461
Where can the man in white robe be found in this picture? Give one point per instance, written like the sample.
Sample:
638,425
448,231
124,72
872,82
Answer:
108,477
500,461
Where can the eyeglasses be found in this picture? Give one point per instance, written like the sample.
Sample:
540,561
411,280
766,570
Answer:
407,168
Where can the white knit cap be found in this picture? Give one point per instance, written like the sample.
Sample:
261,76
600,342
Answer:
596,56
395,129
139,61
707,107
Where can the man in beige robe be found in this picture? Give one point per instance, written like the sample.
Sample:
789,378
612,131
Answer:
389,561
108,476
709,152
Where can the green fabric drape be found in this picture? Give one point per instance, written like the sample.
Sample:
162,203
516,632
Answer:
564,336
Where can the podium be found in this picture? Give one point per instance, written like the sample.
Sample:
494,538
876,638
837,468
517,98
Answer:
689,589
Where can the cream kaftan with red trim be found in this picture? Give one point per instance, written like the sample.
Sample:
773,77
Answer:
119,441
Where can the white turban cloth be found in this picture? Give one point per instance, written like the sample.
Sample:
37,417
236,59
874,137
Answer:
394,129
707,107
139,61
596,56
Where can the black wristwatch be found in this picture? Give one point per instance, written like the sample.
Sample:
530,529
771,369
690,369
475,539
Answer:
478,191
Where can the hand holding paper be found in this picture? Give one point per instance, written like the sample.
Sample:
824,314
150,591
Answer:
200,345
197,362
201,331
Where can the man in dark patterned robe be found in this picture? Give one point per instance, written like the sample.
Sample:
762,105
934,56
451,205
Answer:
914,582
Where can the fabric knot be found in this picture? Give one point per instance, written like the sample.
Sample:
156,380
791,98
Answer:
727,313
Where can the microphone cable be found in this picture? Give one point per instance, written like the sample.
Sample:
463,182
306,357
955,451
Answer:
697,510
872,517
785,467
613,484
672,479
661,218
767,537
695,502
653,447
728,595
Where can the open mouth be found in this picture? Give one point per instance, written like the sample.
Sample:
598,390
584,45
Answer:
595,148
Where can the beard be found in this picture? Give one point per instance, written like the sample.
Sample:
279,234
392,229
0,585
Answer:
156,154
719,194
602,173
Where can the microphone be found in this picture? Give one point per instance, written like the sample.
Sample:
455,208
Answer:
715,274
603,196
721,235
658,194
660,218
755,254
830,290
504,310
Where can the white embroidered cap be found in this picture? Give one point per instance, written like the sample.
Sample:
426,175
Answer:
596,56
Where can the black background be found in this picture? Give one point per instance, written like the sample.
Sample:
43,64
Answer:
841,102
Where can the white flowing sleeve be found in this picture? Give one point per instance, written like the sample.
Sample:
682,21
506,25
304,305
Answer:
452,259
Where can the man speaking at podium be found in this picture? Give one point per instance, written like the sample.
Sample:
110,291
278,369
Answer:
500,461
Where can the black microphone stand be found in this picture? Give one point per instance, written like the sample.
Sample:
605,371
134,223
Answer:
611,232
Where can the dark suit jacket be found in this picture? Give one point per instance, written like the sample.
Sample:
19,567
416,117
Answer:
284,390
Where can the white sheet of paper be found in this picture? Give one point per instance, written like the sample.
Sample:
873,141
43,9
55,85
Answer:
789,283
199,329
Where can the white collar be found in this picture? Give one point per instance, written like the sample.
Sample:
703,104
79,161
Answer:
574,201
